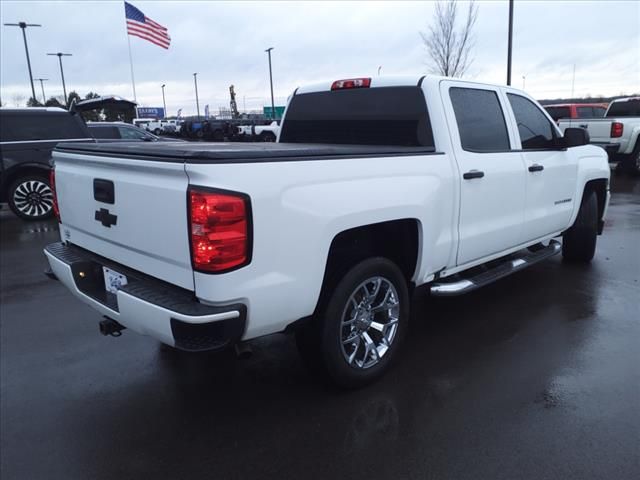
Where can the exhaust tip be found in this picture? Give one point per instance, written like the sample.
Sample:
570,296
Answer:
244,351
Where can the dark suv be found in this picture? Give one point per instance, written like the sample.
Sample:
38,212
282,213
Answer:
27,138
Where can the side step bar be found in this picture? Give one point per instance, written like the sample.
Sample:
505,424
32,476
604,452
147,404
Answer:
510,265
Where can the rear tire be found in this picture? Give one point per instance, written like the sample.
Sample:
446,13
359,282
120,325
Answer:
267,137
31,198
360,325
579,242
630,164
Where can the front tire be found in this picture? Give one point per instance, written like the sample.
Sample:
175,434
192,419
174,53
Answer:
361,324
31,198
579,242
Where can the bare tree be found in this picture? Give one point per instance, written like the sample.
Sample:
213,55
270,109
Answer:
448,46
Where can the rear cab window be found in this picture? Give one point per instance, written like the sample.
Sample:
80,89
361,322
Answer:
41,125
392,116
627,108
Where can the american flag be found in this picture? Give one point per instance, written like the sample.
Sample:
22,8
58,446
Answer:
142,26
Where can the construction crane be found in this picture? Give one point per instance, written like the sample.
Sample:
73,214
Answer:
233,104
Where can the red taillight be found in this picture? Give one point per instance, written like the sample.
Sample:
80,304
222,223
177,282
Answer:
52,184
351,83
219,230
616,129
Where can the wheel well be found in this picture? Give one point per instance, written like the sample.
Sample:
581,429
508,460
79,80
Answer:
21,171
598,186
396,240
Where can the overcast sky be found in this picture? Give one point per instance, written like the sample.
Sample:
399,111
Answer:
225,41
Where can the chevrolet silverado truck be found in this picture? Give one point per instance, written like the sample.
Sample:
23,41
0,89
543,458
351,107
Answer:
618,132
375,187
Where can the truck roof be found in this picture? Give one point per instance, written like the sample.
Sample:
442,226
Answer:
385,81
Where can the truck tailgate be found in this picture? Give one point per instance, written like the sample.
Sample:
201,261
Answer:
143,226
599,129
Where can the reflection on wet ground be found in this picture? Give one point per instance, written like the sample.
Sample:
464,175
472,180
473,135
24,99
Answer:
533,377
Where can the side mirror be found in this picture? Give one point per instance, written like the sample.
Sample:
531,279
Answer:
574,137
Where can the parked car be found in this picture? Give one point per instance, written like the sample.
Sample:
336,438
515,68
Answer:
27,138
576,110
210,129
377,186
143,122
105,131
618,132
163,126
261,133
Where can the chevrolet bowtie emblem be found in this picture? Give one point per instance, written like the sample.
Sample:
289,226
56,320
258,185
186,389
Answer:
105,218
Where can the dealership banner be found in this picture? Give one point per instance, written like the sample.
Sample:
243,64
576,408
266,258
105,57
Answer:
151,112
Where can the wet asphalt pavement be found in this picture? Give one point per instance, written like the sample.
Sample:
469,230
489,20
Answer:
534,377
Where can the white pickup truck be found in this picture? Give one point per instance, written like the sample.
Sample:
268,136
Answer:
262,133
375,187
618,132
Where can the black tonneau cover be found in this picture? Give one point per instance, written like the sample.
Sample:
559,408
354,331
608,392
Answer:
199,152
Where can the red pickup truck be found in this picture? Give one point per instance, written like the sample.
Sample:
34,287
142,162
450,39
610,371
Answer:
576,110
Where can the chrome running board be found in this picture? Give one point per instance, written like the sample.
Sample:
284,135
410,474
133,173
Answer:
510,265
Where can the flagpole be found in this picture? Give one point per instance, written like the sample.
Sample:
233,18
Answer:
133,80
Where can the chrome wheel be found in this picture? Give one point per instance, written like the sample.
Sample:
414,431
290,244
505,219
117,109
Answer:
369,322
33,198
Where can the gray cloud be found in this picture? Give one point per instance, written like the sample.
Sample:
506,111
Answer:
225,42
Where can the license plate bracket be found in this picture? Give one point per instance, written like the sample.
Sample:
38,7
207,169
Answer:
113,281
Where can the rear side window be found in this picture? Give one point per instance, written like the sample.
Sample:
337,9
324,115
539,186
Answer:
629,108
395,116
132,133
104,132
480,120
29,126
558,112
536,131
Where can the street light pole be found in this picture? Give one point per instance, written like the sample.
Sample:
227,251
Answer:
195,81
44,98
524,78
23,26
510,42
273,105
164,103
64,87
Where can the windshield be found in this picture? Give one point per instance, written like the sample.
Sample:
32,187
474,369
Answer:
395,116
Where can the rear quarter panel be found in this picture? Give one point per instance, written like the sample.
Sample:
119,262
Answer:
298,209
